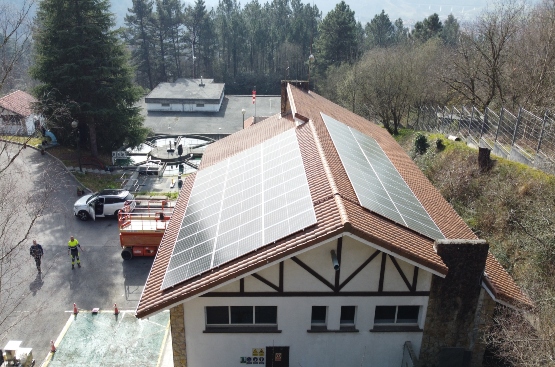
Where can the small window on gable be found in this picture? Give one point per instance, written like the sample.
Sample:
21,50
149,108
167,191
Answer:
347,315
396,314
319,316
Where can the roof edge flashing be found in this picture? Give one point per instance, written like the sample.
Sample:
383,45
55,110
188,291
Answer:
300,119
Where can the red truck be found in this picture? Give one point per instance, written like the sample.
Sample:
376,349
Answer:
141,229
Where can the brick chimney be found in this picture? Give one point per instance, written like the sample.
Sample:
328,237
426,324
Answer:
455,302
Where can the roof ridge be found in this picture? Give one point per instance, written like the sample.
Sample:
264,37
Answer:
335,191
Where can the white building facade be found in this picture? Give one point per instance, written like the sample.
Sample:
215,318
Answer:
317,325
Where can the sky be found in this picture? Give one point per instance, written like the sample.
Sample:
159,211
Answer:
410,11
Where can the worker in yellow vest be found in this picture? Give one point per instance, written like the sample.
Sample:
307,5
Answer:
73,247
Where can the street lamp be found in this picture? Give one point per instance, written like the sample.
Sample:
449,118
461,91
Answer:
243,111
75,124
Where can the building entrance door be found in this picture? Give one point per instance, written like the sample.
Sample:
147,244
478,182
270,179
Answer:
277,356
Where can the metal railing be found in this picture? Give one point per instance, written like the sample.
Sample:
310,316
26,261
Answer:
524,137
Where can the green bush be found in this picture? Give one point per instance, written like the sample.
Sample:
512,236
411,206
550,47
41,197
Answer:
421,144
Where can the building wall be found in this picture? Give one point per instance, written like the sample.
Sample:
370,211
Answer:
309,348
184,107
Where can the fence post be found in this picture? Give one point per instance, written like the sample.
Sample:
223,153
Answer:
417,118
516,126
451,120
483,124
541,132
442,119
499,124
471,120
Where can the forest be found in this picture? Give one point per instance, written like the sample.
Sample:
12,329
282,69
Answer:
380,70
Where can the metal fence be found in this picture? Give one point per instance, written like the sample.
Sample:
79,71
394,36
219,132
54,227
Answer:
524,138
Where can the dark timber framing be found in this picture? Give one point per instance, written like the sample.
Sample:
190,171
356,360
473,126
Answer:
336,288
338,272
315,294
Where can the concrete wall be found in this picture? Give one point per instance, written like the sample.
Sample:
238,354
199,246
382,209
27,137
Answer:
318,349
184,107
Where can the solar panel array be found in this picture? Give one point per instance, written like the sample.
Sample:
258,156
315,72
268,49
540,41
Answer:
241,204
377,183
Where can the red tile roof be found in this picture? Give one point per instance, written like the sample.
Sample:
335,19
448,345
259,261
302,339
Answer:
335,203
19,102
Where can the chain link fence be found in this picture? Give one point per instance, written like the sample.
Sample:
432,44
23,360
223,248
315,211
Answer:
524,137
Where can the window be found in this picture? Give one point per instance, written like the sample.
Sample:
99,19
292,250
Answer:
165,105
396,314
200,104
318,317
241,315
347,316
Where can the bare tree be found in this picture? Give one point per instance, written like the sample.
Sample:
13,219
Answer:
15,37
530,78
394,79
20,208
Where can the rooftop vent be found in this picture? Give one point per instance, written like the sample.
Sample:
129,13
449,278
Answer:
201,83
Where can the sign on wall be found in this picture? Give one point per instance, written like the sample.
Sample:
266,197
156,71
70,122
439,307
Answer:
257,357
118,154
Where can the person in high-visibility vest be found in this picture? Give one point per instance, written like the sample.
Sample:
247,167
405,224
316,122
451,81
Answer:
73,247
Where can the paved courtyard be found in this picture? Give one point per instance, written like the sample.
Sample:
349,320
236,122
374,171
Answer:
103,280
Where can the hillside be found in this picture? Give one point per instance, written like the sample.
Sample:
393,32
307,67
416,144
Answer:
512,206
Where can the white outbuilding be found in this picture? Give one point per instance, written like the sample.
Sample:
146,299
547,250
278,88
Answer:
186,95
16,114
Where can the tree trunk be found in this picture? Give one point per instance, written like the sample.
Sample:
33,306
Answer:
484,160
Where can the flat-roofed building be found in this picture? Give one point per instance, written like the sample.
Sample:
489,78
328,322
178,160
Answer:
186,95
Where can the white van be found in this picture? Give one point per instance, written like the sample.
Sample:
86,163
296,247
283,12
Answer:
101,204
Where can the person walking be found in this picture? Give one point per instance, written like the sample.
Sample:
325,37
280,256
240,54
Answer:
36,251
73,248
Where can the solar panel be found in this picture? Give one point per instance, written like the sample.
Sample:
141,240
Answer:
247,201
377,183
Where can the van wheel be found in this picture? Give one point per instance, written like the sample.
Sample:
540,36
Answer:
126,254
83,215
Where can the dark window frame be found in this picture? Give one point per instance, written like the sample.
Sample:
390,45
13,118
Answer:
343,321
253,322
396,320
317,322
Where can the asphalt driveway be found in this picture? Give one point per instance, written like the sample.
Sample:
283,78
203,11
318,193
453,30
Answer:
104,278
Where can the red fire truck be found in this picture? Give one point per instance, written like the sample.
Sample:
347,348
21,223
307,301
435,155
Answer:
141,229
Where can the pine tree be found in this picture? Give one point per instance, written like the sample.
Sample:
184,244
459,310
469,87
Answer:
139,35
80,59
338,38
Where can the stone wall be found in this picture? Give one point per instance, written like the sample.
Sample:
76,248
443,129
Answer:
455,301
179,344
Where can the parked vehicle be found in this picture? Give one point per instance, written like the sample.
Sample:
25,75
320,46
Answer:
141,230
101,204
